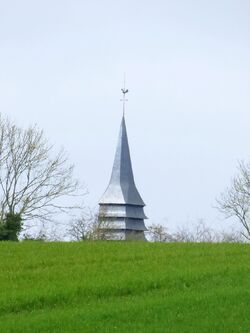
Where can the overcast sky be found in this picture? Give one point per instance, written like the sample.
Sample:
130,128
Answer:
188,71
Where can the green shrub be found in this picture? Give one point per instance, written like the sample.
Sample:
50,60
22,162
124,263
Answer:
10,227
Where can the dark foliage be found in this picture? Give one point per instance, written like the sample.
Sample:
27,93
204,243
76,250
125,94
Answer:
10,227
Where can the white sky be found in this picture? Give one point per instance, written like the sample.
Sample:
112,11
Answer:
188,71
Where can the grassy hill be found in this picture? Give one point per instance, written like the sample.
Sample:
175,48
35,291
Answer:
124,287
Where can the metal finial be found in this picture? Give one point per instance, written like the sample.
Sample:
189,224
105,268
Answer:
124,92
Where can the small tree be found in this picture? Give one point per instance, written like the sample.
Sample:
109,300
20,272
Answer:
89,227
235,201
159,233
80,228
10,227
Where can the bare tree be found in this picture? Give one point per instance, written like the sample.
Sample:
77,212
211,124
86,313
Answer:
99,229
159,233
90,226
199,232
44,233
33,180
231,237
235,201
80,228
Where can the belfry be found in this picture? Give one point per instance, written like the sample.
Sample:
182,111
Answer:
121,212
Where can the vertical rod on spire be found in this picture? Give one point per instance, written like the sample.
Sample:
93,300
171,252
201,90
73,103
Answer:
124,92
124,88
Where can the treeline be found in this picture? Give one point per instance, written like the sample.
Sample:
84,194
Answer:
88,228
36,180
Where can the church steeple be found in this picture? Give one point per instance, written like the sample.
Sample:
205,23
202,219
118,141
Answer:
122,189
121,206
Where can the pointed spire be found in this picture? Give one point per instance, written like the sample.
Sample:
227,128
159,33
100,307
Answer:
121,211
122,189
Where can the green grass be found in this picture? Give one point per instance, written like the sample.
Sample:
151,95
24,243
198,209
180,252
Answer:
124,287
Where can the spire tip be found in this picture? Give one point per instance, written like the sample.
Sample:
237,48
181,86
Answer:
124,92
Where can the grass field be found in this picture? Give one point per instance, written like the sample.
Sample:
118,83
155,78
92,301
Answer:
124,287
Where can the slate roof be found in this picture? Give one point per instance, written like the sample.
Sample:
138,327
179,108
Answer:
121,188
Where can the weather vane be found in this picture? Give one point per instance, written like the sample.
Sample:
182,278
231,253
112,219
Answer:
124,92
